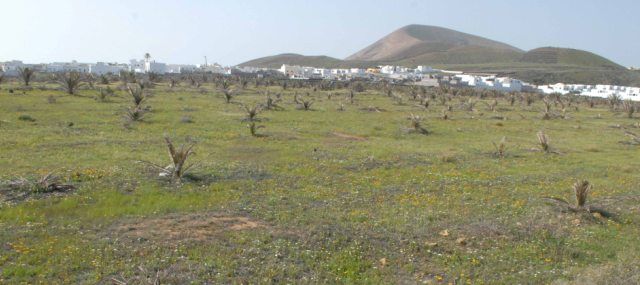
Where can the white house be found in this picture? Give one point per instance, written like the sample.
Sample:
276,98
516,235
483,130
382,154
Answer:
66,67
11,67
155,67
137,66
213,68
425,69
101,68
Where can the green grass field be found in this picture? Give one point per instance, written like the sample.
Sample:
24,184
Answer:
322,196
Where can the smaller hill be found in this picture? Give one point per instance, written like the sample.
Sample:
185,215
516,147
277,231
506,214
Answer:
294,59
567,56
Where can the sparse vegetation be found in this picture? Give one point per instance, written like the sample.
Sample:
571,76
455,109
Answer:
324,196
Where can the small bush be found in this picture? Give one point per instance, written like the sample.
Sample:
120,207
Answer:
186,119
26,118
416,125
178,157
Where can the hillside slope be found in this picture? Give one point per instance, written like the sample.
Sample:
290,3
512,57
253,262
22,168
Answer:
567,56
433,45
293,59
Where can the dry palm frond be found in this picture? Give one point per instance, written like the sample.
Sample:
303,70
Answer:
51,183
581,189
501,147
416,125
179,158
543,141
46,184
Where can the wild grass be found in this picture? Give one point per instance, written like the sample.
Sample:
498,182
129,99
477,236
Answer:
328,211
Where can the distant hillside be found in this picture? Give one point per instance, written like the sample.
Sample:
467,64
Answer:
427,45
566,56
294,59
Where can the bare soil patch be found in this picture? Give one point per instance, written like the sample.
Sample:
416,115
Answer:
348,136
190,227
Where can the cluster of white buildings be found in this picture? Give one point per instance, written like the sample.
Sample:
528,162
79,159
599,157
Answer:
146,65
423,75
394,72
602,91
505,84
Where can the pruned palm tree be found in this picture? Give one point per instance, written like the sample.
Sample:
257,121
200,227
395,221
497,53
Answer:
70,81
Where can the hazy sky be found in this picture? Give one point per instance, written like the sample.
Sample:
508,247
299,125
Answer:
231,32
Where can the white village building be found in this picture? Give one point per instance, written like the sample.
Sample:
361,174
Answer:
102,68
